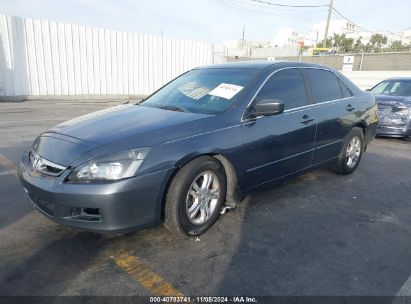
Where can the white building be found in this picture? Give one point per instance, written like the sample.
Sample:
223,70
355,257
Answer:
406,36
240,44
336,27
290,36
232,44
285,37
316,34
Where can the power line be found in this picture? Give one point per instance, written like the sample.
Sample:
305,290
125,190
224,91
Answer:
356,24
246,5
349,20
264,6
288,5
238,5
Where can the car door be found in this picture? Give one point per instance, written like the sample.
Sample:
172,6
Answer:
334,111
279,145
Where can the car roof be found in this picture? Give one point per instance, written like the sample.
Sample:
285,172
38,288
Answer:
271,66
398,78
241,65
261,65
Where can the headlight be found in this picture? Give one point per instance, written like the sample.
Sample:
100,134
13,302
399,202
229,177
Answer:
111,167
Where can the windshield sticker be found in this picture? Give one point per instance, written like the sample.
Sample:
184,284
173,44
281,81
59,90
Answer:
226,90
194,90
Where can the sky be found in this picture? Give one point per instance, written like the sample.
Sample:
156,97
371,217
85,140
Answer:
211,20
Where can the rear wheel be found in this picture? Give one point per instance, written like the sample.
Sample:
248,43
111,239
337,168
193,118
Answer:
351,153
195,196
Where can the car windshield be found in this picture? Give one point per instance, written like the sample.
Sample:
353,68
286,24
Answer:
207,91
393,88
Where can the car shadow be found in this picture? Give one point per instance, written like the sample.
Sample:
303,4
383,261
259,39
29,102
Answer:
326,234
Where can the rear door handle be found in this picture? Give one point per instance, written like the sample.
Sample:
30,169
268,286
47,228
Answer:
350,108
306,119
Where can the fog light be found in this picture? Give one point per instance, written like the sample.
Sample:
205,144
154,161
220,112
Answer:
86,214
92,211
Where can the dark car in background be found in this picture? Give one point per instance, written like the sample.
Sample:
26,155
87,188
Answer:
394,105
202,141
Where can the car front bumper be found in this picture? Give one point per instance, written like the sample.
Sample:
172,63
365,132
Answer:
394,131
122,206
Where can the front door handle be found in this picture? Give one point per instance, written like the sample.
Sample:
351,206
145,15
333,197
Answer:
306,119
350,108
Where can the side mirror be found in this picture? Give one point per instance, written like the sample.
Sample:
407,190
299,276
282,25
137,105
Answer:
267,107
368,90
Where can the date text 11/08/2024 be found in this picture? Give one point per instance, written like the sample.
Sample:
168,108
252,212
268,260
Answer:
183,299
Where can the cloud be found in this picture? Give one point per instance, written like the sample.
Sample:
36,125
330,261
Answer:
204,19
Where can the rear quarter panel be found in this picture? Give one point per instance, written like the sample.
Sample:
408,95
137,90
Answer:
368,115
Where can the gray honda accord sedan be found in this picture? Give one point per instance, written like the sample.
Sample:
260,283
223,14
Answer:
198,144
393,98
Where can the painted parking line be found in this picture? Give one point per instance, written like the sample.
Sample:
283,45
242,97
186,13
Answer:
30,121
8,165
2,173
139,271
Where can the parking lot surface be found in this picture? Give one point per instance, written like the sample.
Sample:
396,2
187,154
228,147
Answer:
318,234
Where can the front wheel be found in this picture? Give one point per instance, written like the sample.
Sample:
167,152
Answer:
195,197
351,153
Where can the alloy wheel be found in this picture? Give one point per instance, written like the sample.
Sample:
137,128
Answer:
202,197
353,152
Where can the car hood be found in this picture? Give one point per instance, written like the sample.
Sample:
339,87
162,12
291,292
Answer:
387,100
109,130
122,121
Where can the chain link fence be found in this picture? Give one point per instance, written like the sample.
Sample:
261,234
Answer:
361,62
382,61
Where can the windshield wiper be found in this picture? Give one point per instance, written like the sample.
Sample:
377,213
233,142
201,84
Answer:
172,108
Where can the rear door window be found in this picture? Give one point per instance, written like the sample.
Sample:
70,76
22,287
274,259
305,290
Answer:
345,92
287,86
324,85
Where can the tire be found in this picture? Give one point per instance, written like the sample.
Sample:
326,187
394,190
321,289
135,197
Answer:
353,148
191,206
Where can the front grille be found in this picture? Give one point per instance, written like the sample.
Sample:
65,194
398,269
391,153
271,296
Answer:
44,166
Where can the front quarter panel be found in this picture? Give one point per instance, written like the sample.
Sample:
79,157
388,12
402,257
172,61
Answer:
225,141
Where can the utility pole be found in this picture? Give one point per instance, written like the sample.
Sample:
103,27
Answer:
330,8
242,39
